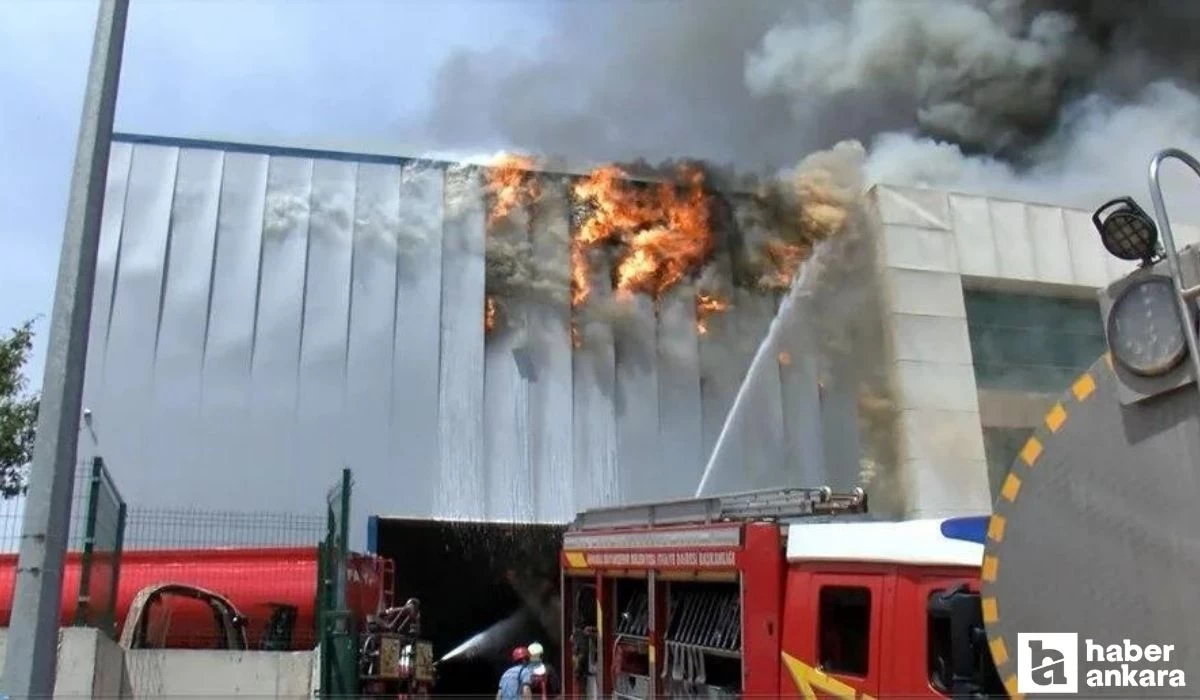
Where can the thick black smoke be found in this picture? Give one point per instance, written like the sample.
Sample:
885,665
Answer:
1005,95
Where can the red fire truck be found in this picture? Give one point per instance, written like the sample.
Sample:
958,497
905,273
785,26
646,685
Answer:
793,592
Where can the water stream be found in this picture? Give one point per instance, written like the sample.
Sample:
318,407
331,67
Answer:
764,357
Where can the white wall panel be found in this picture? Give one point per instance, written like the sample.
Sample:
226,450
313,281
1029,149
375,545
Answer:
763,438
839,419
1014,248
371,347
507,458
228,433
799,379
721,366
550,389
460,490
1088,257
322,386
119,163
1052,253
976,242
596,474
129,352
642,477
183,314
680,410
275,358
415,412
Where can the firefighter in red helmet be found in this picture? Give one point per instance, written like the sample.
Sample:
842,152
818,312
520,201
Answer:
510,681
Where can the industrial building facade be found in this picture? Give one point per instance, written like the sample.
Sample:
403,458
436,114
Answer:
264,317
994,313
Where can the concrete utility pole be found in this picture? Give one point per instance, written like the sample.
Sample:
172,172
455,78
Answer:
29,664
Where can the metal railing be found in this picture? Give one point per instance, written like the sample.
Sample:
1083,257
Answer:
338,636
100,561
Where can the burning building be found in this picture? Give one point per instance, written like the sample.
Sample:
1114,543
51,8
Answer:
508,345
505,345
476,343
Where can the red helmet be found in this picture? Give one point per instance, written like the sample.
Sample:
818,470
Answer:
520,654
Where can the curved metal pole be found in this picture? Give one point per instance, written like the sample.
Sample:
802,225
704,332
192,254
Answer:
1164,225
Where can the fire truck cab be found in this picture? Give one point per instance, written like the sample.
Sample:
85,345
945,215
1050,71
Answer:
785,593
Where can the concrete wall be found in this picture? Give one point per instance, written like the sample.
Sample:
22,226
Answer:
933,245
153,673
89,664
92,665
263,318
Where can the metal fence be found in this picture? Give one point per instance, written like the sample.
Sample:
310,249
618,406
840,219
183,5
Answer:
100,561
115,551
200,528
94,545
265,564
12,513
338,659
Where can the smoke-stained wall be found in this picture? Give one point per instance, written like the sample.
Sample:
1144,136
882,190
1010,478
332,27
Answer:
263,318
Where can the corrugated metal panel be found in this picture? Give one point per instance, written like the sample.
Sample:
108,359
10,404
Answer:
120,160
721,366
594,392
799,384
322,396
125,417
371,354
263,320
273,447
550,389
509,454
406,482
226,436
642,477
679,405
461,478
175,401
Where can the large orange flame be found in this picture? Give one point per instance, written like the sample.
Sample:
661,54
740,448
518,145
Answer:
511,183
663,230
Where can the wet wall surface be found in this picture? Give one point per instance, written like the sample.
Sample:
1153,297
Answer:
263,319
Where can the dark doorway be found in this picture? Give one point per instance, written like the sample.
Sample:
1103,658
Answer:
484,587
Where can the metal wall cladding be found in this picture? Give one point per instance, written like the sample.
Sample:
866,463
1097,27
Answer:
263,319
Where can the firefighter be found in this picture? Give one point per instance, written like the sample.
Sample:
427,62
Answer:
539,676
511,682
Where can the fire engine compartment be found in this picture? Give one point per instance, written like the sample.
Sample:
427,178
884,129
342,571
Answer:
656,593
701,652
701,646
494,585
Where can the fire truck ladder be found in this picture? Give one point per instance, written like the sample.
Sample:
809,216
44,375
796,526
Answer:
771,504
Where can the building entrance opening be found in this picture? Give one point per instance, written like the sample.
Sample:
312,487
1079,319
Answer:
484,589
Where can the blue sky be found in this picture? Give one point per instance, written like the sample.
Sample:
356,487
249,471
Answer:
350,73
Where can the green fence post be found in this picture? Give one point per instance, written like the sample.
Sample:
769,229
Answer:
338,638
118,551
83,602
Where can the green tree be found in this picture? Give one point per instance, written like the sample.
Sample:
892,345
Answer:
18,411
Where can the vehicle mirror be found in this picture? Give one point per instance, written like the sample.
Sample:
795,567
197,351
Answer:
968,663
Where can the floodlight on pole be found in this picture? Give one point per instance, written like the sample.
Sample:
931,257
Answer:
1126,230
1184,296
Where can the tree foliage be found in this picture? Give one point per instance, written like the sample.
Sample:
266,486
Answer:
18,411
